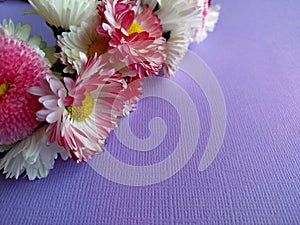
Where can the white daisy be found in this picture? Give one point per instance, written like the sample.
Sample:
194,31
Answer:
183,21
83,39
177,46
178,13
178,18
63,14
31,155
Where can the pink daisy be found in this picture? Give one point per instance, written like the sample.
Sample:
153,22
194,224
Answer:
82,113
135,35
21,67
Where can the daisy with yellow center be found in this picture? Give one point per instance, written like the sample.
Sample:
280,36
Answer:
82,113
134,28
135,35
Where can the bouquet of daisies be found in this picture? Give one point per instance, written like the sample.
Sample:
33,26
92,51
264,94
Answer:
66,99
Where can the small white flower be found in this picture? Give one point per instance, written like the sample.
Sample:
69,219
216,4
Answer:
31,155
64,13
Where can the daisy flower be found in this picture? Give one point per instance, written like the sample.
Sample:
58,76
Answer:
83,38
31,155
177,13
178,44
183,22
82,116
21,67
63,14
135,35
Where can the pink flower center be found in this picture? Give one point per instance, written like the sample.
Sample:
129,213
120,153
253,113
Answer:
80,113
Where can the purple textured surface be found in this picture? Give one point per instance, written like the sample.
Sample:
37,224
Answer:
255,179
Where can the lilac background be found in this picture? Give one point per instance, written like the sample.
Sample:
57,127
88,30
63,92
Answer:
255,179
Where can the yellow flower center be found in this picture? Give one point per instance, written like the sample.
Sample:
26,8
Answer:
80,113
135,27
99,47
3,88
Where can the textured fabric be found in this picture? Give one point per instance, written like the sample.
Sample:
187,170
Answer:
255,178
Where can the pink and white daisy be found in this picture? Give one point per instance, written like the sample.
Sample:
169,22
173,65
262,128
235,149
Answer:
82,116
135,35
31,155
21,67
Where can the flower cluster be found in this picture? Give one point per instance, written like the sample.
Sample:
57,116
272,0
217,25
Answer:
66,99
